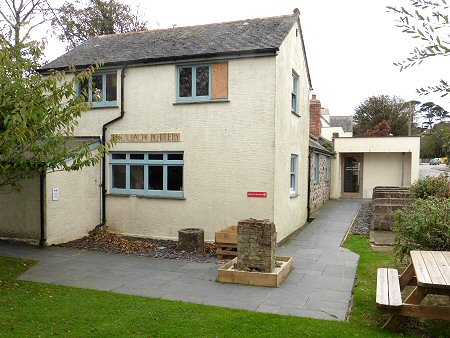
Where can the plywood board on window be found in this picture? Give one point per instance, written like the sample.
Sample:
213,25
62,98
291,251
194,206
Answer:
220,80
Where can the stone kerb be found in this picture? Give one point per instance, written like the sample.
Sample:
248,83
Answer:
256,245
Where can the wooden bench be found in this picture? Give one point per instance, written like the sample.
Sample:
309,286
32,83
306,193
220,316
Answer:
389,295
389,298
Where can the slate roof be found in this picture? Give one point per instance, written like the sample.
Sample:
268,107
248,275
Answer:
346,122
318,147
228,38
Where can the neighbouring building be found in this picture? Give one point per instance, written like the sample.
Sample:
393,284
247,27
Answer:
210,123
361,163
319,161
340,126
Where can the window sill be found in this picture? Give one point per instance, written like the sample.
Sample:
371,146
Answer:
294,195
104,106
295,113
200,102
148,196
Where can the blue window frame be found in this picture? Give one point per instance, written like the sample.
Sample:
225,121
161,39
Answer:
100,90
147,173
294,100
194,83
316,168
327,168
294,165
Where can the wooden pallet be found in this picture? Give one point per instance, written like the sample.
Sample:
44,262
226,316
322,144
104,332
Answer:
226,242
226,250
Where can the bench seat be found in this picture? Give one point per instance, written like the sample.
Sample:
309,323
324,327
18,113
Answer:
388,289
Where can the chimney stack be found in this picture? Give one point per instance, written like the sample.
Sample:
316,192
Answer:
315,117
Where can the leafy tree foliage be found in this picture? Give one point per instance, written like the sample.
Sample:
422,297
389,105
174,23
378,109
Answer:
37,115
432,113
79,20
381,129
376,109
427,21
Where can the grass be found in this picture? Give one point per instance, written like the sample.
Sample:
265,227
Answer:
30,309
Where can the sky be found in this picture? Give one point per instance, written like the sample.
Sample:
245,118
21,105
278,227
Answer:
351,45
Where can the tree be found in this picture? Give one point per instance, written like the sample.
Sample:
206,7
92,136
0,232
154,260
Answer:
37,117
18,14
432,113
381,129
376,109
427,21
78,21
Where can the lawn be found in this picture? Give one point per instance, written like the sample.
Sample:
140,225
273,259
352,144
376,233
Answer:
30,309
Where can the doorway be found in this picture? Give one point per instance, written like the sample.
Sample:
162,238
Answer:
352,175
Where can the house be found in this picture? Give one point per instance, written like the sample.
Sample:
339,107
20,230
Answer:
361,163
210,124
332,124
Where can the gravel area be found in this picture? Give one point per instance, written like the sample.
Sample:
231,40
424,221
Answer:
361,224
164,249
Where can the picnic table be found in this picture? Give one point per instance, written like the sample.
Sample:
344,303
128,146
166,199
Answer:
429,273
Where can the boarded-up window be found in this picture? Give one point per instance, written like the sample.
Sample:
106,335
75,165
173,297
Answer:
220,80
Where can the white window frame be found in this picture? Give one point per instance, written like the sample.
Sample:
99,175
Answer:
294,175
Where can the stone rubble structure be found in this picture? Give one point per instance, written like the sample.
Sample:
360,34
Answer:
256,245
386,200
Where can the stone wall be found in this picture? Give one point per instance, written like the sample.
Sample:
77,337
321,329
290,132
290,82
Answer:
320,191
256,245
386,200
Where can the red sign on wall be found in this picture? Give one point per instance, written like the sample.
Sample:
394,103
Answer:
262,194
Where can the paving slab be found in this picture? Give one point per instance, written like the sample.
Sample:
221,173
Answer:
320,286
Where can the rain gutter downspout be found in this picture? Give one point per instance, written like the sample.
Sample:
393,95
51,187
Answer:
104,128
308,207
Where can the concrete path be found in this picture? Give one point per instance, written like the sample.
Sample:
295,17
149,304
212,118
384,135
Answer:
320,285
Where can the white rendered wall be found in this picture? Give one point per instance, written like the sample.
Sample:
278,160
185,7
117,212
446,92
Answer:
20,212
228,149
291,137
77,211
327,132
383,160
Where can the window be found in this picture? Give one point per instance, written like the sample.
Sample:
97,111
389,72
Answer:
294,161
100,90
203,82
194,83
327,168
316,168
147,174
294,101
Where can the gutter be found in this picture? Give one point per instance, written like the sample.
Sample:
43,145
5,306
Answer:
42,176
271,51
308,205
104,128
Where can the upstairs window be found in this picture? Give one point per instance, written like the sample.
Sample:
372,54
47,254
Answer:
203,82
294,97
100,90
147,174
194,82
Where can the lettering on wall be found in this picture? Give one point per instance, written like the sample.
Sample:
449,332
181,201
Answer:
146,138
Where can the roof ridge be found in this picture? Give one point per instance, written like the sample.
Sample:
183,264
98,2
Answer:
190,26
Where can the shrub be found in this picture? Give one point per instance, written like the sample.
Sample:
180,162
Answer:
423,226
438,186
